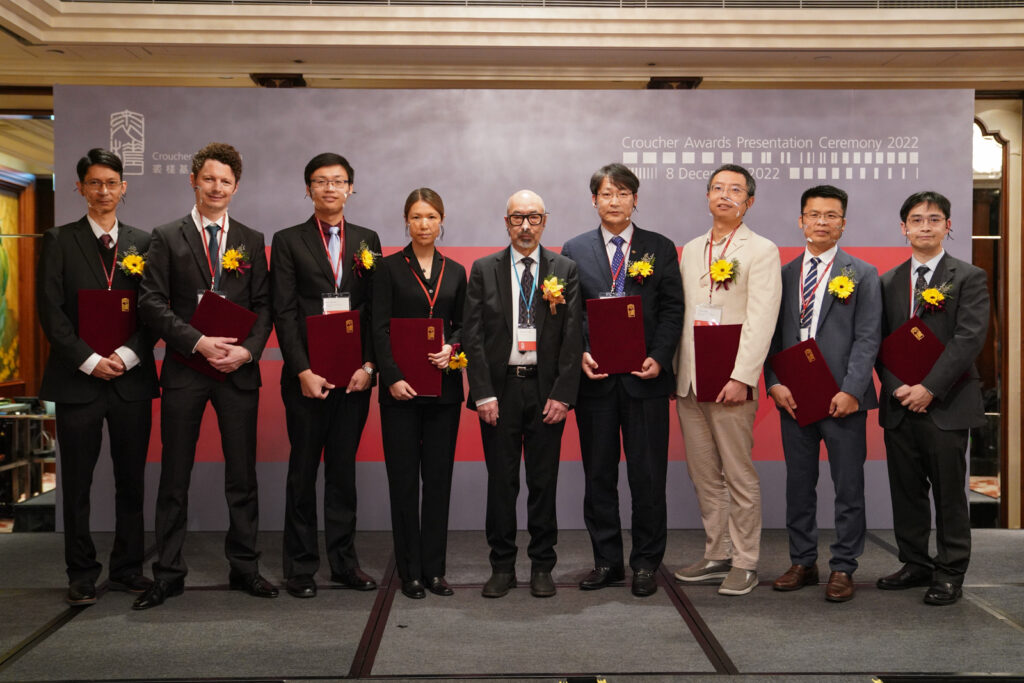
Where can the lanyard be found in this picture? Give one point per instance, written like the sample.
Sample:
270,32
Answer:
711,248
522,296
625,257
109,275
423,285
336,266
220,251
803,306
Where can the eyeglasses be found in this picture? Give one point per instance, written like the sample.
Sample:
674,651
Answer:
622,196
321,183
730,190
517,219
828,218
95,185
934,221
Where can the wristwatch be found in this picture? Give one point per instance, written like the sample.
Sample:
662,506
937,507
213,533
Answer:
369,369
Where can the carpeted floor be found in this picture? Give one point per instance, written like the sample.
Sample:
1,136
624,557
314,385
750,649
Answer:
685,633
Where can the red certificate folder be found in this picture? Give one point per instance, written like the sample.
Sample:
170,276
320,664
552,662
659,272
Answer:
911,351
616,328
714,350
411,340
215,316
802,369
335,346
106,318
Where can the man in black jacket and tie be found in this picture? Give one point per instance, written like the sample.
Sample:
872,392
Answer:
203,251
319,267
927,425
522,336
89,388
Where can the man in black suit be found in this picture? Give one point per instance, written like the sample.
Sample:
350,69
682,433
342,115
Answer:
89,388
187,258
523,342
927,425
315,271
636,404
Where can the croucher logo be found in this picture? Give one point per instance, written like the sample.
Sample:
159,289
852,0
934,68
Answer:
631,310
430,333
350,327
128,140
918,334
810,355
125,305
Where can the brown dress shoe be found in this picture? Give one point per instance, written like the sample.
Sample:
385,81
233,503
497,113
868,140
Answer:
796,577
839,588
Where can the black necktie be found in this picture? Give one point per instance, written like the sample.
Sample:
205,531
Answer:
107,251
526,312
212,228
921,284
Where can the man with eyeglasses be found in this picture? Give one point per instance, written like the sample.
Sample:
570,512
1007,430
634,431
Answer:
832,297
627,412
314,270
731,276
207,253
927,425
522,336
90,388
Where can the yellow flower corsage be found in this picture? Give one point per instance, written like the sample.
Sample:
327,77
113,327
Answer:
724,272
843,285
365,259
458,359
641,269
553,290
132,263
933,299
236,260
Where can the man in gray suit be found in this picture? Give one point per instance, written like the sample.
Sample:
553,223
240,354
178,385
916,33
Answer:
927,425
836,299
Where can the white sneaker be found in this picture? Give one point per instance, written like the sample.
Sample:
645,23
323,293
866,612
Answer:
704,570
738,582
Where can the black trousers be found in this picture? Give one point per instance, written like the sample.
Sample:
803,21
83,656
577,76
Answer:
419,446
181,414
920,456
80,434
332,428
521,435
846,442
643,424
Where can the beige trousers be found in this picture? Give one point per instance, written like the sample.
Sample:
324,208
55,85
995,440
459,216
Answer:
719,440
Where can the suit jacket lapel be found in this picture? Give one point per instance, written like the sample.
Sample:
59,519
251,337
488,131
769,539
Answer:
542,306
601,260
90,252
315,244
791,285
504,274
899,297
841,260
190,234
347,259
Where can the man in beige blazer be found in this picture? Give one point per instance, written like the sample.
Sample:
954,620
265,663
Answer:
730,276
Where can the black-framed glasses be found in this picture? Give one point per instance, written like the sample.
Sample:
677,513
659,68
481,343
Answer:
517,219
830,218
95,185
935,221
322,183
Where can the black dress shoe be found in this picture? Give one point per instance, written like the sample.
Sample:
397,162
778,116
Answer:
541,585
136,583
158,592
253,584
499,584
413,588
301,586
355,579
909,576
81,592
601,577
438,586
644,583
942,593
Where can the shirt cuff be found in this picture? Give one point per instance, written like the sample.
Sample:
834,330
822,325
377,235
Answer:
489,399
127,356
90,363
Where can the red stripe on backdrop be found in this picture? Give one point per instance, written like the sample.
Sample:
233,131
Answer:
273,439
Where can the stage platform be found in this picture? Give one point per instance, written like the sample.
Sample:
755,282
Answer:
687,633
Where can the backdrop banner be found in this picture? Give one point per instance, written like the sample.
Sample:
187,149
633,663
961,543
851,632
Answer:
477,147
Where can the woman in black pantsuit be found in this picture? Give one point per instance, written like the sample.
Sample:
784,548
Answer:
419,432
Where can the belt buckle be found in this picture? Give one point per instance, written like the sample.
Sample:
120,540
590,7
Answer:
522,371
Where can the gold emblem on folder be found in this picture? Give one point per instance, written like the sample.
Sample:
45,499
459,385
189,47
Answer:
810,355
430,333
125,305
631,310
350,326
918,334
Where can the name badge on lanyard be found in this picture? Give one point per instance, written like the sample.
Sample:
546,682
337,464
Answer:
707,314
336,302
526,339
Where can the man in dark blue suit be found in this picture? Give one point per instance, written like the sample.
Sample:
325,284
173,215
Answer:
927,425
846,323
637,404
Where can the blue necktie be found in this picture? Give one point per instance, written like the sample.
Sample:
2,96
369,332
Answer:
617,268
334,249
213,228
807,301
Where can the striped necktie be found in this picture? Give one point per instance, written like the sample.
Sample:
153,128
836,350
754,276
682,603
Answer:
807,294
